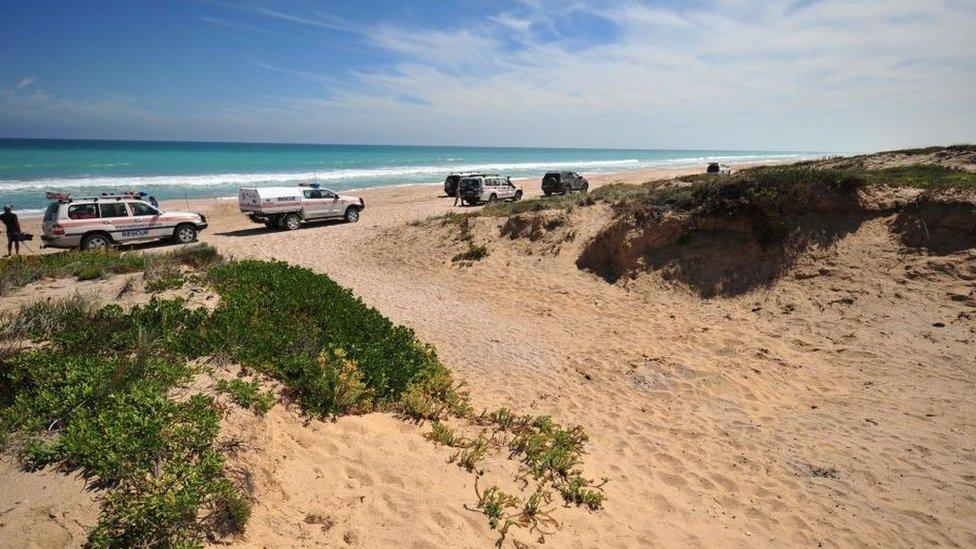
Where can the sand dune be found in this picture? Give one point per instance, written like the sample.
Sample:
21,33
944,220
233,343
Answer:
830,408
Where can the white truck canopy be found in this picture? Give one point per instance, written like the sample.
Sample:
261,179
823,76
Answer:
270,199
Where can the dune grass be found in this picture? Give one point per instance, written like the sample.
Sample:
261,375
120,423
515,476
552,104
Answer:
924,177
18,271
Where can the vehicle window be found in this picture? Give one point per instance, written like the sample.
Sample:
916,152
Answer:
313,193
82,211
141,208
51,213
329,194
113,209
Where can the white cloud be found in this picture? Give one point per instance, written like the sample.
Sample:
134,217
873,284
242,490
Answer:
822,75
24,82
739,73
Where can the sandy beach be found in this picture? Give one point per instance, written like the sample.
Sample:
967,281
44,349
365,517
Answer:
832,408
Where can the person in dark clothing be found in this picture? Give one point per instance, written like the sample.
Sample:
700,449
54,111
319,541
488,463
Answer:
10,221
154,202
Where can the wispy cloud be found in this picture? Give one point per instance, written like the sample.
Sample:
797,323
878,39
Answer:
312,18
814,74
24,82
748,71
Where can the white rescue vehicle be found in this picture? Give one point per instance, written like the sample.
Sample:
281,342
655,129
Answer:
287,207
110,219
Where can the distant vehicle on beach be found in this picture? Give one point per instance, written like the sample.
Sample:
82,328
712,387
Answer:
111,219
288,207
720,169
452,180
564,182
488,188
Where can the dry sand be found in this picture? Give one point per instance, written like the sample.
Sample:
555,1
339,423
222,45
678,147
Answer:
834,408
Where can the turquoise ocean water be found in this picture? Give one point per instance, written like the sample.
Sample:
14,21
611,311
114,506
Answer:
169,170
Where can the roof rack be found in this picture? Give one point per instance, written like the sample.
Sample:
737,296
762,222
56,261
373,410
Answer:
66,197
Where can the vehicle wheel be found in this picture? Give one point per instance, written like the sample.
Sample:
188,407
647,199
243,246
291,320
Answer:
291,222
518,195
547,193
352,214
184,234
586,188
492,198
97,241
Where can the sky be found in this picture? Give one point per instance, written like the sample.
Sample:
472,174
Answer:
824,75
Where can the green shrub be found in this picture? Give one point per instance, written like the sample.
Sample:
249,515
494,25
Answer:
168,281
442,434
95,400
475,252
495,504
90,272
278,319
110,418
434,397
247,394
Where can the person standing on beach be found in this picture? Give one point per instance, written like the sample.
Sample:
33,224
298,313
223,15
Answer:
10,221
154,202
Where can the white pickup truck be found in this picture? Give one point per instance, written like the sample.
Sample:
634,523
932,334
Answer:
287,207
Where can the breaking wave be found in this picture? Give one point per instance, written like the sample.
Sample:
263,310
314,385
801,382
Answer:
366,176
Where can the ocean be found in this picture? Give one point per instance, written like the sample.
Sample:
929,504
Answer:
170,170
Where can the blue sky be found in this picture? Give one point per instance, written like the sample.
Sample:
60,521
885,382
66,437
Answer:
810,74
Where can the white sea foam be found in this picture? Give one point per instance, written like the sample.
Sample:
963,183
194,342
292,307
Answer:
382,176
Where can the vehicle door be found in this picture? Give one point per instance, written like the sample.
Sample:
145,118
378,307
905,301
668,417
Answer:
333,206
146,217
577,182
116,220
507,188
314,205
492,184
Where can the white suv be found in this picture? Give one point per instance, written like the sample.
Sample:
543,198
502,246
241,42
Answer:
488,188
107,220
287,207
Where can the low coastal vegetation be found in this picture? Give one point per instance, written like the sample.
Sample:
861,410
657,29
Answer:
91,389
20,270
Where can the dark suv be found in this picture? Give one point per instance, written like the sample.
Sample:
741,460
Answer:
451,183
564,182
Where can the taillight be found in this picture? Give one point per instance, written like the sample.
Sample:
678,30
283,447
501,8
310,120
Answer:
57,230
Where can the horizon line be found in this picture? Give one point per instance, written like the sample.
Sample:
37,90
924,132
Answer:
333,144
